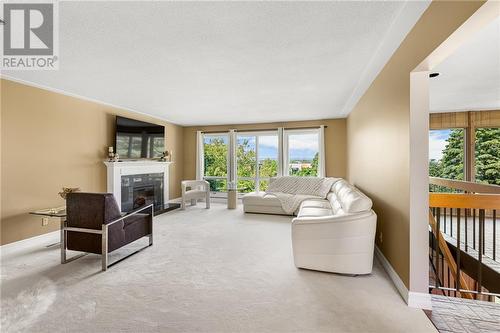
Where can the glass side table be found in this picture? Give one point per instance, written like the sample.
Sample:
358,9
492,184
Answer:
60,213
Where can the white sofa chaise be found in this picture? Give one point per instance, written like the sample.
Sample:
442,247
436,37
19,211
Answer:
336,234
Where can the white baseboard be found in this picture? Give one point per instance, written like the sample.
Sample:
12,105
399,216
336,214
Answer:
40,240
419,300
413,299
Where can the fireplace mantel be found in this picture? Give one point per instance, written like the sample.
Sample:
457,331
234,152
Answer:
115,171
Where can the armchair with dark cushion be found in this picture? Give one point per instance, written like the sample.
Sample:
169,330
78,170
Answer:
95,225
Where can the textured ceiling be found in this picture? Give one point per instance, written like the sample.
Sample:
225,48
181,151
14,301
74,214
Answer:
225,62
470,77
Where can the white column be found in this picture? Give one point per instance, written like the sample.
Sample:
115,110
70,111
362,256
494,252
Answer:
419,191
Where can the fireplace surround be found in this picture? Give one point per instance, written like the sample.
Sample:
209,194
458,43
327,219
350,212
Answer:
141,190
134,182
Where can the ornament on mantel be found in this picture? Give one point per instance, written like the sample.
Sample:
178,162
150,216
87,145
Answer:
112,157
166,156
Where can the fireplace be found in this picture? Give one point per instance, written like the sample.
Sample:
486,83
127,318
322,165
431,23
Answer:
140,190
136,182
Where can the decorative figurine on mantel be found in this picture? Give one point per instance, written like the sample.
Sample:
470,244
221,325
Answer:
112,157
166,156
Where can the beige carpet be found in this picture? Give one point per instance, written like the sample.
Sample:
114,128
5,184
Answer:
211,270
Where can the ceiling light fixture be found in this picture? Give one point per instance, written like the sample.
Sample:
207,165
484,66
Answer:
431,75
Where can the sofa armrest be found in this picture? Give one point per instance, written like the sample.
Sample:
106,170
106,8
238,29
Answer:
333,218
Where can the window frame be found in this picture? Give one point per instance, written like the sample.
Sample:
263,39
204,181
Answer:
286,147
257,177
218,194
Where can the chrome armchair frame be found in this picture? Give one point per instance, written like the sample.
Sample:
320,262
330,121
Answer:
104,238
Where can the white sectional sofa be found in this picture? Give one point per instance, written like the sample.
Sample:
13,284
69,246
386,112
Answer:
334,234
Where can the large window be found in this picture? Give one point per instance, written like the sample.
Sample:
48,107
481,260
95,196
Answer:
257,160
250,159
303,152
215,148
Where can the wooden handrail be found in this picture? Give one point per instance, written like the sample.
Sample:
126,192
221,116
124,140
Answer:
465,186
464,200
448,256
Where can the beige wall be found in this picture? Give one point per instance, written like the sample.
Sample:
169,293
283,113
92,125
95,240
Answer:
49,140
335,142
378,131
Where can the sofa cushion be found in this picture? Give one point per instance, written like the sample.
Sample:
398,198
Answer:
316,204
261,199
335,204
351,199
314,212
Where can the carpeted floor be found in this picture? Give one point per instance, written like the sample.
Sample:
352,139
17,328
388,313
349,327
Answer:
214,270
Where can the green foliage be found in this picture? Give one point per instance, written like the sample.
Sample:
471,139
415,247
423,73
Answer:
488,155
452,163
215,158
310,171
435,168
268,168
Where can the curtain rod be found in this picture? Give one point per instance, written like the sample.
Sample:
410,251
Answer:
264,129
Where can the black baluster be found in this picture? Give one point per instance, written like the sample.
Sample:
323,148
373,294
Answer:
480,251
444,222
466,232
494,234
474,229
484,233
437,231
451,222
457,280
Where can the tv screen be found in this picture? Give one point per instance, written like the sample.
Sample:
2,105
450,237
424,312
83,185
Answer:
137,139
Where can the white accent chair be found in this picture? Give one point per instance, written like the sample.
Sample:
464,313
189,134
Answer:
192,190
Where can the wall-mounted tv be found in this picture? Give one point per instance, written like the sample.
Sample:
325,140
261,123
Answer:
137,139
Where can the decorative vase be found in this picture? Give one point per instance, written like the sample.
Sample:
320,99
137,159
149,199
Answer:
66,190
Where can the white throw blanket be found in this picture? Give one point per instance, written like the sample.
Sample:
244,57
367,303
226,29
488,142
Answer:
291,191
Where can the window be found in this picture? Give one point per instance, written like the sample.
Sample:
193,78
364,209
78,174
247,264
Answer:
487,155
257,160
250,159
268,159
215,148
302,152
446,155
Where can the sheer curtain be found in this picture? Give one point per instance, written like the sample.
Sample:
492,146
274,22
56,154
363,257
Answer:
282,152
322,156
200,157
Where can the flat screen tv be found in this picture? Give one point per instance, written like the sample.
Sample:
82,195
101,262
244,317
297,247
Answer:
138,140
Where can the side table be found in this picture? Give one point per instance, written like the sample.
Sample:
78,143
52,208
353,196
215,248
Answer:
59,213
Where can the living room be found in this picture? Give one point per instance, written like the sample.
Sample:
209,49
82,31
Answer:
277,183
